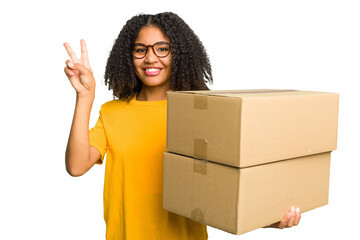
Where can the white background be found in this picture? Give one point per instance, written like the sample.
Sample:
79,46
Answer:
304,45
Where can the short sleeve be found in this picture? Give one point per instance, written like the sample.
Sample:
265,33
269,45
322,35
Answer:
98,139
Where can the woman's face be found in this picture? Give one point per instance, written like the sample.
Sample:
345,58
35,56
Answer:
152,70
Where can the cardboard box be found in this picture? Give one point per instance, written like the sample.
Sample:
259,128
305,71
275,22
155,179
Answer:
238,200
251,127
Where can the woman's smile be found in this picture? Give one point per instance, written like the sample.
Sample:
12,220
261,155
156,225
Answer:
152,71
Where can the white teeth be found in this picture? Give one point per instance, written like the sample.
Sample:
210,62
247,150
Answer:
152,69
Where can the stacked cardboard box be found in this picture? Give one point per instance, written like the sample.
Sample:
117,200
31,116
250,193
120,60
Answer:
237,160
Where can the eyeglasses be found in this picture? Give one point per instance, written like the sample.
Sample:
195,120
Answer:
160,49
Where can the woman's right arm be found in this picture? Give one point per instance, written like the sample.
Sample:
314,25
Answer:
80,156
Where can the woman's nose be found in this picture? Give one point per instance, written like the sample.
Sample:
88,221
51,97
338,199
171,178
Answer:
150,56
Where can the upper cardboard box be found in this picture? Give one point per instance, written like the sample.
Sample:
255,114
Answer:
243,128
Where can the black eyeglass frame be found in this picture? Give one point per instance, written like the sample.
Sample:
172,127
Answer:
152,47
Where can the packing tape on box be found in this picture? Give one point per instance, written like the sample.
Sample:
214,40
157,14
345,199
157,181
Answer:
200,148
197,215
200,166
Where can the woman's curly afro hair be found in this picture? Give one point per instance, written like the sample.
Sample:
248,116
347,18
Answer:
190,68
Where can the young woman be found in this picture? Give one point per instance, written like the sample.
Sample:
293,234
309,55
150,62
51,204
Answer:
152,54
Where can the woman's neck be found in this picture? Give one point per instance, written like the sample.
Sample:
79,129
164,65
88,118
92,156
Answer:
157,93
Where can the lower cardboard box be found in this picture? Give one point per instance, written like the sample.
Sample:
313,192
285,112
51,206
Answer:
238,200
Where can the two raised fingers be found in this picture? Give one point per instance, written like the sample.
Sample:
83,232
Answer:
84,60
292,218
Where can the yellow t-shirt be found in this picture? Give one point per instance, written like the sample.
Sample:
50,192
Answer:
133,135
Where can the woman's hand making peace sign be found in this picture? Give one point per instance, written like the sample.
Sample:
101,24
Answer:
79,71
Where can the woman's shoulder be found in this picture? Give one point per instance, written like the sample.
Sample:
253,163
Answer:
112,109
116,103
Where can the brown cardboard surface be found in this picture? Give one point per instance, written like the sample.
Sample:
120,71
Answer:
243,128
238,200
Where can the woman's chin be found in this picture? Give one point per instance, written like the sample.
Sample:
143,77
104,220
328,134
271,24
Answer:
155,83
